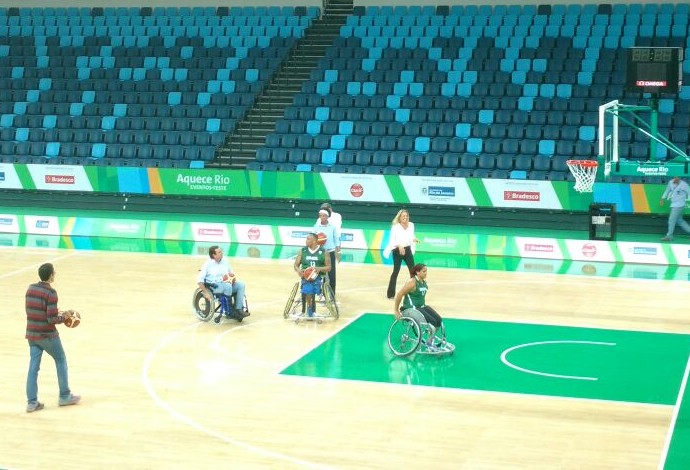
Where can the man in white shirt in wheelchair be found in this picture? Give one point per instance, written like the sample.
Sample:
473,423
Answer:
217,277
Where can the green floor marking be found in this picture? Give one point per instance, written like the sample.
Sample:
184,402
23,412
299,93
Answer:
678,455
591,363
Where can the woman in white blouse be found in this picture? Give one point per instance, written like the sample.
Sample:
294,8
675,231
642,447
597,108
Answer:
402,245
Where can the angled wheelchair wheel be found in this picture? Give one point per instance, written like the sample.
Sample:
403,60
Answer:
404,337
245,305
292,301
329,299
202,307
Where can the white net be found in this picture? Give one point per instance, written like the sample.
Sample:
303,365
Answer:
585,172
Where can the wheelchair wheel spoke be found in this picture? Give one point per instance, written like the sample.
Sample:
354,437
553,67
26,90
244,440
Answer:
329,299
403,337
202,307
291,301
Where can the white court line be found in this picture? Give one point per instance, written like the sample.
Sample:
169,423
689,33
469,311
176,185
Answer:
198,426
674,417
35,266
241,444
505,353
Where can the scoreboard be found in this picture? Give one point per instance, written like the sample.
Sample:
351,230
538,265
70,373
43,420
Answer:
654,70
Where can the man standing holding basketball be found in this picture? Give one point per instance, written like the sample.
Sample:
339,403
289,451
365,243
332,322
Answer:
42,315
332,244
677,191
315,257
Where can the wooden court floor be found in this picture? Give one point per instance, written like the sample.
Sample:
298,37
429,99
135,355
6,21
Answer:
162,390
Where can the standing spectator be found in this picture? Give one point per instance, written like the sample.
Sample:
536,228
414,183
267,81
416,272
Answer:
42,315
677,191
402,246
332,245
334,218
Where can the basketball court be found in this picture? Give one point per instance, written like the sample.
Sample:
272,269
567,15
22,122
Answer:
551,371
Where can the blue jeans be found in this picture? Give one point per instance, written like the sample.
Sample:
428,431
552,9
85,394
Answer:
227,289
52,346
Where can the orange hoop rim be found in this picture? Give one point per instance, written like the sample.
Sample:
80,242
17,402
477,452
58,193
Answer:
583,163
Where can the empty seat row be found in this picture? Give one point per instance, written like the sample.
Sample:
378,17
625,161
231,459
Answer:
146,15
101,150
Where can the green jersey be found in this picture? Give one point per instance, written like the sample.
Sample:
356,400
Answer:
316,259
416,298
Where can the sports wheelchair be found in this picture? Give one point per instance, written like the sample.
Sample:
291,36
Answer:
295,307
411,333
222,304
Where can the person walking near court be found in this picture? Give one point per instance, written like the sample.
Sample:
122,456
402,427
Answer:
677,191
332,245
42,315
402,244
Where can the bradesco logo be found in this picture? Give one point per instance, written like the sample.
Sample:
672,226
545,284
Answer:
531,196
357,190
538,247
42,224
254,233
2,176
59,179
6,221
347,237
589,250
210,232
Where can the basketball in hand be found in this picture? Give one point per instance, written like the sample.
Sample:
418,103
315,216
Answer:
72,319
310,274
229,277
321,238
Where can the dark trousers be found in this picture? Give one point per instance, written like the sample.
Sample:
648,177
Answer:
331,274
397,262
431,316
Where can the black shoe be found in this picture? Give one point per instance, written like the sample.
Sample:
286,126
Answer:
244,313
238,314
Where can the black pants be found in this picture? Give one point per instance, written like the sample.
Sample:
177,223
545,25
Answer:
397,262
432,317
331,274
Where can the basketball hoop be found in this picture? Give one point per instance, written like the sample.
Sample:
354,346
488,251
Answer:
585,172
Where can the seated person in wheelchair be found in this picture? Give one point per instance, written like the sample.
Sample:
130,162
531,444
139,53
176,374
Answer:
413,295
315,256
216,277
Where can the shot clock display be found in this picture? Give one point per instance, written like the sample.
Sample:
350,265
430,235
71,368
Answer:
654,69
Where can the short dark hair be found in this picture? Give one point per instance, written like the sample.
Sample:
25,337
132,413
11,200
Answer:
326,207
212,251
45,271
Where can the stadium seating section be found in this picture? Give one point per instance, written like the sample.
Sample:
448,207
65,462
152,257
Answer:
466,91
124,86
